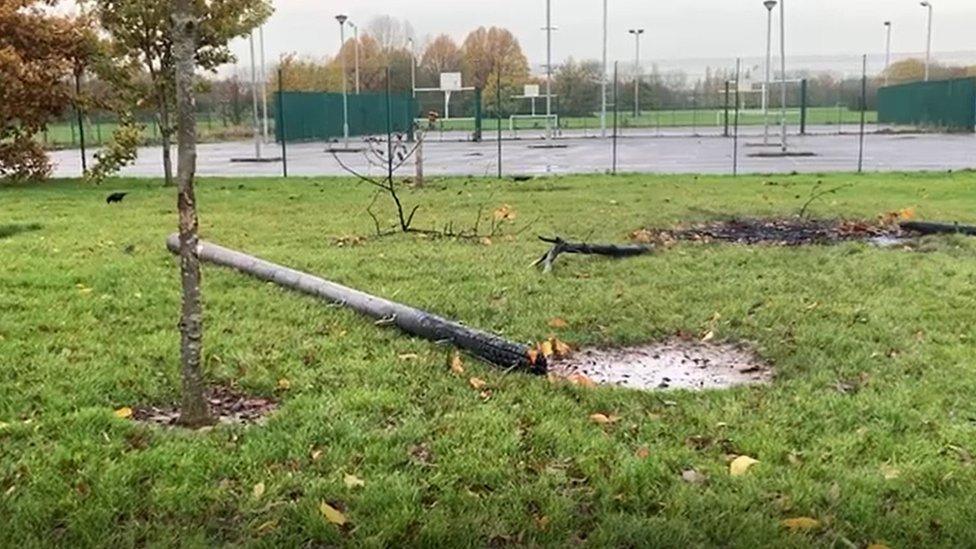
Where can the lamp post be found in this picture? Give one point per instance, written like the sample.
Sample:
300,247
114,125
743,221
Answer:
603,77
264,87
413,68
769,4
928,41
355,30
637,71
345,92
782,61
254,101
887,25
548,30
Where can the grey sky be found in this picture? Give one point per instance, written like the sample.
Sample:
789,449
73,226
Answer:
676,29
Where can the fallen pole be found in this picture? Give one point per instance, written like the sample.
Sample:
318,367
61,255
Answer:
560,246
938,228
483,345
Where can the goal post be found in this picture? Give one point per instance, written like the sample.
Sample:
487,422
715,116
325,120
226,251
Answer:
452,105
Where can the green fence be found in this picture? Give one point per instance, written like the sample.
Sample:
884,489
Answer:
315,116
948,104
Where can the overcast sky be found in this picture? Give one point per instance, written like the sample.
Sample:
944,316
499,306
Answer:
675,29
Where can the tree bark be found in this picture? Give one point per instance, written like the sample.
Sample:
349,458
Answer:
194,412
560,246
418,180
483,345
937,228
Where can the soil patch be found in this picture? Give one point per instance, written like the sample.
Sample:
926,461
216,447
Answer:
673,364
227,405
777,232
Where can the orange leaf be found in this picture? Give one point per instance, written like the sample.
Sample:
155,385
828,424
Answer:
800,523
604,419
332,514
123,413
581,380
477,384
643,452
546,349
457,366
558,323
560,349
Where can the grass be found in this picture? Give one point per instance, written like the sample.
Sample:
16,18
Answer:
88,326
681,118
99,132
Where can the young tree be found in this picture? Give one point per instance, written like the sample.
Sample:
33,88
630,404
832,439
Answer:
194,411
141,34
39,54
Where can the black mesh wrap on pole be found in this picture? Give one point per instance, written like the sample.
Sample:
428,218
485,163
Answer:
486,346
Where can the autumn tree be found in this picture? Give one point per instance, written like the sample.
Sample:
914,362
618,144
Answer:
141,34
441,55
486,51
577,84
39,53
391,33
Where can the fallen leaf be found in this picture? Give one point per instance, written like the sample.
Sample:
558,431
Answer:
124,413
581,381
332,514
533,355
800,523
505,213
692,476
267,526
258,490
352,481
316,455
546,349
741,465
709,335
890,472
477,384
560,348
457,365
558,323
408,356
284,384
643,452
604,419
878,546
486,241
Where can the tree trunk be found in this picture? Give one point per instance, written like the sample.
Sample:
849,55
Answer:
560,246
924,228
194,411
485,346
167,140
418,180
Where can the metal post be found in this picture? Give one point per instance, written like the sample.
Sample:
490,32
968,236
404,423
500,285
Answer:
864,108
345,85
727,92
355,29
735,138
637,71
254,101
615,79
603,77
264,86
81,121
887,25
782,61
281,124
928,42
769,4
498,116
548,70
413,68
803,107
389,131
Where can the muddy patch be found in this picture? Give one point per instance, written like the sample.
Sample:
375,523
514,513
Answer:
673,364
227,405
778,232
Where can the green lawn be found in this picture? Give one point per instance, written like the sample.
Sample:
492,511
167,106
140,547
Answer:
87,326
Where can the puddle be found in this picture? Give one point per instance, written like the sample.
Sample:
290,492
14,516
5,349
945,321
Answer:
673,364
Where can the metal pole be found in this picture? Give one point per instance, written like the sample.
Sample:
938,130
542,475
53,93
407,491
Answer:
928,43
389,131
782,52
728,91
548,70
413,68
615,79
264,87
603,77
281,124
887,51
864,108
355,29
735,138
498,115
770,4
345,83
637,34
254,101
81,121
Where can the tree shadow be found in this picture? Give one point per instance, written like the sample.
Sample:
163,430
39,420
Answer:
13,229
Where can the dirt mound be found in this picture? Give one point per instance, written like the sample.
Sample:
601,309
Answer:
227,405
673,364
776,232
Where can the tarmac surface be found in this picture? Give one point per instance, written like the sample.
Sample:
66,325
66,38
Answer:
668,151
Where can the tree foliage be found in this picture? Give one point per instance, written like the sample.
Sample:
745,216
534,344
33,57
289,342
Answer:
487,51
39,52
441,55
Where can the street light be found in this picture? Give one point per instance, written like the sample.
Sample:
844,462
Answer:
355,30
928,42
637,71
782,62
264,87
549,28
345,92
887,25
413,68
770,4
603,77
254,101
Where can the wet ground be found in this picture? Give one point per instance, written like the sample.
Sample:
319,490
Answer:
778,232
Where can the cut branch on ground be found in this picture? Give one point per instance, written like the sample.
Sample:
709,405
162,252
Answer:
560,246
928,228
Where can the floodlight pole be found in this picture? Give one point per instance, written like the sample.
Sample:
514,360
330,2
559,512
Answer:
603,77
887,25
769,4
782,61
928,42
413,68
548,70
254,100
345,85
355,30
264,88
637,71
